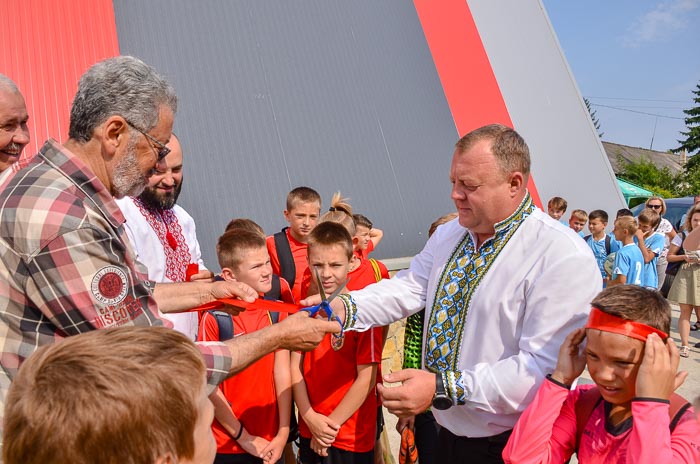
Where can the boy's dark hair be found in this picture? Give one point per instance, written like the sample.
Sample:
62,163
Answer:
650,217
245,224
628,223
302,195
233,243
361,220
598,214
557,204
331,233
127,394
636,303
624,212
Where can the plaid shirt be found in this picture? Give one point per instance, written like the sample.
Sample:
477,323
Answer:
65,263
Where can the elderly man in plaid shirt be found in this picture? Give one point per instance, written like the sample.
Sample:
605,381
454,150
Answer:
66,266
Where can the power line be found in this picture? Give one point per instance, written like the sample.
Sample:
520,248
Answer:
639,112
640,99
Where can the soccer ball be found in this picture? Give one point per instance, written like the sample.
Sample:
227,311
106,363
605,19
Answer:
609,263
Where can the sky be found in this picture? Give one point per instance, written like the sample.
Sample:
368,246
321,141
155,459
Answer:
630,57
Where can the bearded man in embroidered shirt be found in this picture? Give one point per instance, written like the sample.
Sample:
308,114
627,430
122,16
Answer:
163,234
502,284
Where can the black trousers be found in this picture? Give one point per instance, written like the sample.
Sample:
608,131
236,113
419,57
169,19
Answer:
335,455
463,450
426,433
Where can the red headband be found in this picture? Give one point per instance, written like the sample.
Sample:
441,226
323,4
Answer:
609,323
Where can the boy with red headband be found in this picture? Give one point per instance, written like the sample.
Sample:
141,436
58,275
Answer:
631,414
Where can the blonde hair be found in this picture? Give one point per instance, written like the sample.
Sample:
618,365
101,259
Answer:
119,395
331,233
663,203
627,223
579,214
440,221
234,242
341,213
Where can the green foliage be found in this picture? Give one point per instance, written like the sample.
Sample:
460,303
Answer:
692,137
646,174
594,118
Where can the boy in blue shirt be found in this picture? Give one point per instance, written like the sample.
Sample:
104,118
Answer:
578,221
651,244
601,243
627,268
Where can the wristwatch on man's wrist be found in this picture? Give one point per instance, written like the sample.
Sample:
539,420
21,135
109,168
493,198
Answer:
441,400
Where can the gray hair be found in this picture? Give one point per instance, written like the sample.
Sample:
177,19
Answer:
7,84
124,86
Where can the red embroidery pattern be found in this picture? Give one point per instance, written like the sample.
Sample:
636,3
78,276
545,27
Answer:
166,226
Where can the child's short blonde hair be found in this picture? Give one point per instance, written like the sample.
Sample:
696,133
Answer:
331,233
127,394
650,217
627,223
245,224
579,214
302,195
234,242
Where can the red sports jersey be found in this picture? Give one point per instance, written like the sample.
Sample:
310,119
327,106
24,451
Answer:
329,375
251,392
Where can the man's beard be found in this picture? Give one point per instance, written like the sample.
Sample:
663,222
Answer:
127,179
158,200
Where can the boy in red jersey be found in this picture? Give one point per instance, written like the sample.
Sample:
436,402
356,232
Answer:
334,390
287,248
260,395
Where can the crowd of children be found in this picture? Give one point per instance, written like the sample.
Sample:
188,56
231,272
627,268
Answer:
331,390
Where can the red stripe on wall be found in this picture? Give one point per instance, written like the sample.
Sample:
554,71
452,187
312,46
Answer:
45,46
469,83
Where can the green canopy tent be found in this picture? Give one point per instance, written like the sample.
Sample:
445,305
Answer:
634,194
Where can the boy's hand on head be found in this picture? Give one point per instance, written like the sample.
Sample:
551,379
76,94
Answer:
571,361
658,375
303,333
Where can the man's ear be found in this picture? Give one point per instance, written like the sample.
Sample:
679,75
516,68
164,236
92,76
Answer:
517,182
228,274
114,133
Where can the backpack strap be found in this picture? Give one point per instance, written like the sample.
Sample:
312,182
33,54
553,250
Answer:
288,269
608,244
275,294
587,237
225,323
376,269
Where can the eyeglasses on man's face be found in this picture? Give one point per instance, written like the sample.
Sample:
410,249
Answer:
162,149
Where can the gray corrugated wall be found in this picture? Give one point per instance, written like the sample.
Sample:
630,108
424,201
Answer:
333,94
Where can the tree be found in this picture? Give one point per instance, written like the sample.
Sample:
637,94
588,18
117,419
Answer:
692,122
594,118
646,174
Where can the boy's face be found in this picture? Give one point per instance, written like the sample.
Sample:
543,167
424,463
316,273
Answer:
254,269
613,361
556,213
645,228
596,226
204,443
362,236
577,224
332,264
302,218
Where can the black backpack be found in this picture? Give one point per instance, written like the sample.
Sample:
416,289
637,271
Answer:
288,269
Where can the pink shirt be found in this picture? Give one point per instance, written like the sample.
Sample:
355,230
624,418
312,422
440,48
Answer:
546,432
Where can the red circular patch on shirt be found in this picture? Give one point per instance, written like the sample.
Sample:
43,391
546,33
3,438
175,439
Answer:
110,285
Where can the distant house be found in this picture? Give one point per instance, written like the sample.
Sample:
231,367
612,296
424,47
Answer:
617,152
